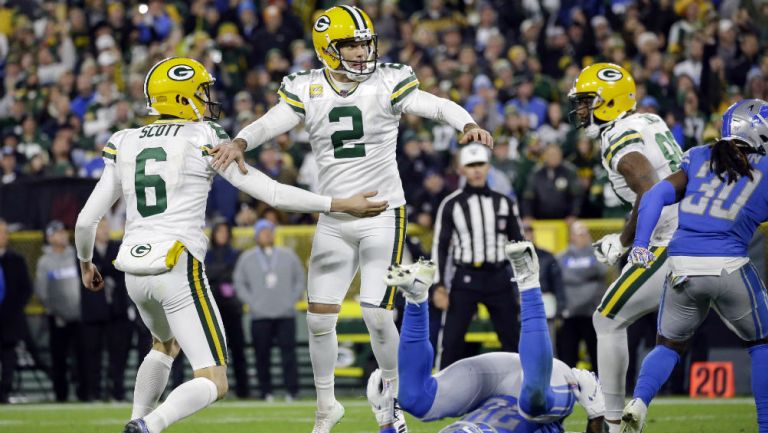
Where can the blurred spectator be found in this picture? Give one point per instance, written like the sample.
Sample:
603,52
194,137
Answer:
8,166
436,17
18,290
427,199
58,285
413,164
588,164
555,129
61,158
273,35
527,103
584,285
553,190
270,280
105,323
220,263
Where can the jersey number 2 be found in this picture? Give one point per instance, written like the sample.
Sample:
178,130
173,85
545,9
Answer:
143,181
356,150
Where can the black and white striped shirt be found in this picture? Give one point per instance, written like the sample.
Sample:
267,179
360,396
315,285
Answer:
473,224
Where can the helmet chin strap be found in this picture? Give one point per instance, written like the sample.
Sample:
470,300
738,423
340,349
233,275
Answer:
194,108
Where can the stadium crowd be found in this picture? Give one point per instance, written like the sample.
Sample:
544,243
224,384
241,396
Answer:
73,73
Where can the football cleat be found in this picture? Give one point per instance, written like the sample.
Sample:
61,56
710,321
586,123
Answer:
136,426
414,280
525,263
633,418
399,419
325,421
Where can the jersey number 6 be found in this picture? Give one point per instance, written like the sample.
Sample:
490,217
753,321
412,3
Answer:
143,181
356,150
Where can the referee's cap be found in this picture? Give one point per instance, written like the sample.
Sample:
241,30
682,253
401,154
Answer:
474,153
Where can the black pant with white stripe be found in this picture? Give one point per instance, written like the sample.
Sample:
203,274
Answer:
491,287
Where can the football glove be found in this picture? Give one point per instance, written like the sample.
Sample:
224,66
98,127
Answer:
381,398
641,257
609,249
589,393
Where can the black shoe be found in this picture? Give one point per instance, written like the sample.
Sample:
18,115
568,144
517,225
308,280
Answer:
136,426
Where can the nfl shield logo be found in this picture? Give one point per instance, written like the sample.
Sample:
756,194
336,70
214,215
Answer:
315,91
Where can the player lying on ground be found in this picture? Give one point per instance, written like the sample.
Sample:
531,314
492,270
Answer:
351,109
495,392
164,172
722,193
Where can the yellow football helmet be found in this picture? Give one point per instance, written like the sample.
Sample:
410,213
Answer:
181,87
602,91
341,25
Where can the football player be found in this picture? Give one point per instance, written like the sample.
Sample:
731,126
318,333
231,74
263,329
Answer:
721,189
351,108
163,170
638,150
500,392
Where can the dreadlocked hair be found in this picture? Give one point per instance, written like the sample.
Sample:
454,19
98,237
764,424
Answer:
729,161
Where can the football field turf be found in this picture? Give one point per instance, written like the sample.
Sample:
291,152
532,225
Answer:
666,416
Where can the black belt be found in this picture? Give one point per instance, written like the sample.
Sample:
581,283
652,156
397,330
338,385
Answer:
482,266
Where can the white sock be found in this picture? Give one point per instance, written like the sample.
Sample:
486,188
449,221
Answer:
187,399
151,379
612,364
323,351
384,341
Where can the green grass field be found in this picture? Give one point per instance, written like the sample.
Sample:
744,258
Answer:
667,416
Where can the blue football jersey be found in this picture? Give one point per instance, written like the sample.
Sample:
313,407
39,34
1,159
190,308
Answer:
717,219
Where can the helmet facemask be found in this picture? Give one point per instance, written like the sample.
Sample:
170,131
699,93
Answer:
356,70
203,95
582,112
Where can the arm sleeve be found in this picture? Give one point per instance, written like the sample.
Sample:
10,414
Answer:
105,194
240,280
427,105
284,197
442,239
279,119
651,205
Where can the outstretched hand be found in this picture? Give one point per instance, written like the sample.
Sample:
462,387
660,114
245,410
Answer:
92,279
226,152
473,132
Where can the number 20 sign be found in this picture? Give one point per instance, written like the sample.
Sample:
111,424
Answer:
712,380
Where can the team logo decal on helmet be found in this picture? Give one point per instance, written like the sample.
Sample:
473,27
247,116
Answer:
322,23
610,74
181,87
601,94
181,72
344,26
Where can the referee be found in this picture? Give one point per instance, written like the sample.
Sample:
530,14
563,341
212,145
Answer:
472,226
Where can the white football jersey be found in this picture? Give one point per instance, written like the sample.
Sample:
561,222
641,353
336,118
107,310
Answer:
165,175
648,134
353,134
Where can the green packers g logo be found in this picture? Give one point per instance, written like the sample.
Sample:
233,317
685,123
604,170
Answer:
181,73
141,250
323,23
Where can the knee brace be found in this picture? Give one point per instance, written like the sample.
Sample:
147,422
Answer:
321,324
